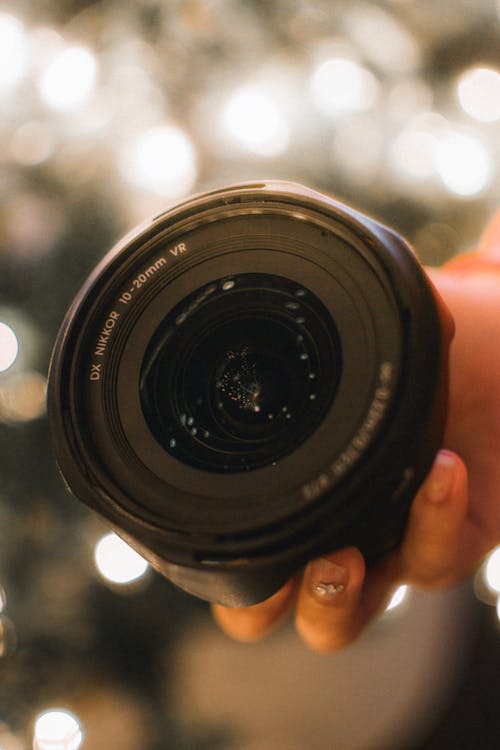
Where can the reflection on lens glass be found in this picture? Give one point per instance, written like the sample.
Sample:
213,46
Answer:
240,373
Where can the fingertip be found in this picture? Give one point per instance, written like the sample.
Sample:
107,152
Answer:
442,476
249,624
435,528
447,478
327,615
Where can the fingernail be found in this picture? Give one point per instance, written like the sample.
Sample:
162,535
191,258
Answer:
440,479
328,579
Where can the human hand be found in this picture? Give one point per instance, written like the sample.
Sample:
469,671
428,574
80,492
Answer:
455,516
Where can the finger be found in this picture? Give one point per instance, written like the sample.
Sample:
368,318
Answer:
432,554
252,623
327,614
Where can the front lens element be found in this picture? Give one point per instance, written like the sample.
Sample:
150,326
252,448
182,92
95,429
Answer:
240,373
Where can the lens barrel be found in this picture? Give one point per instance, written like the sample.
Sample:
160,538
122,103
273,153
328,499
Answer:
251,379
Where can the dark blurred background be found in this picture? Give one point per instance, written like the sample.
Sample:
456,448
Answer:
110,111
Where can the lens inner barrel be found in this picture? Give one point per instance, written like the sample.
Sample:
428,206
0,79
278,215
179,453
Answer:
240,372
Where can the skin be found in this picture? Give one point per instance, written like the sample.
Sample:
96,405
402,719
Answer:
455,516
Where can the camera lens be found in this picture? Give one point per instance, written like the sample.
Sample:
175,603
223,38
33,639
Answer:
251,379
240,372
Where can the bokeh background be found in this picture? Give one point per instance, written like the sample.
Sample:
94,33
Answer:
109,112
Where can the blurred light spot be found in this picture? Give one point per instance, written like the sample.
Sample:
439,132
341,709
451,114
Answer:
33,223
481,589
96,116
117,562
69,78
414,150
478,91
9,347
407,97
436,242
134,56
382,38
463,164
13,51
399,596
23,397
491,570
414,153
44,43
162,160
430,121
253,119
8,639
340,86
32,143
134,97
357,148
57,729
3,600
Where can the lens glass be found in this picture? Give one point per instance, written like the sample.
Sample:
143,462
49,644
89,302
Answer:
240,372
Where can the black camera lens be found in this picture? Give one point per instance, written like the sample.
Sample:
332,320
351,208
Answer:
253,378
240,372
